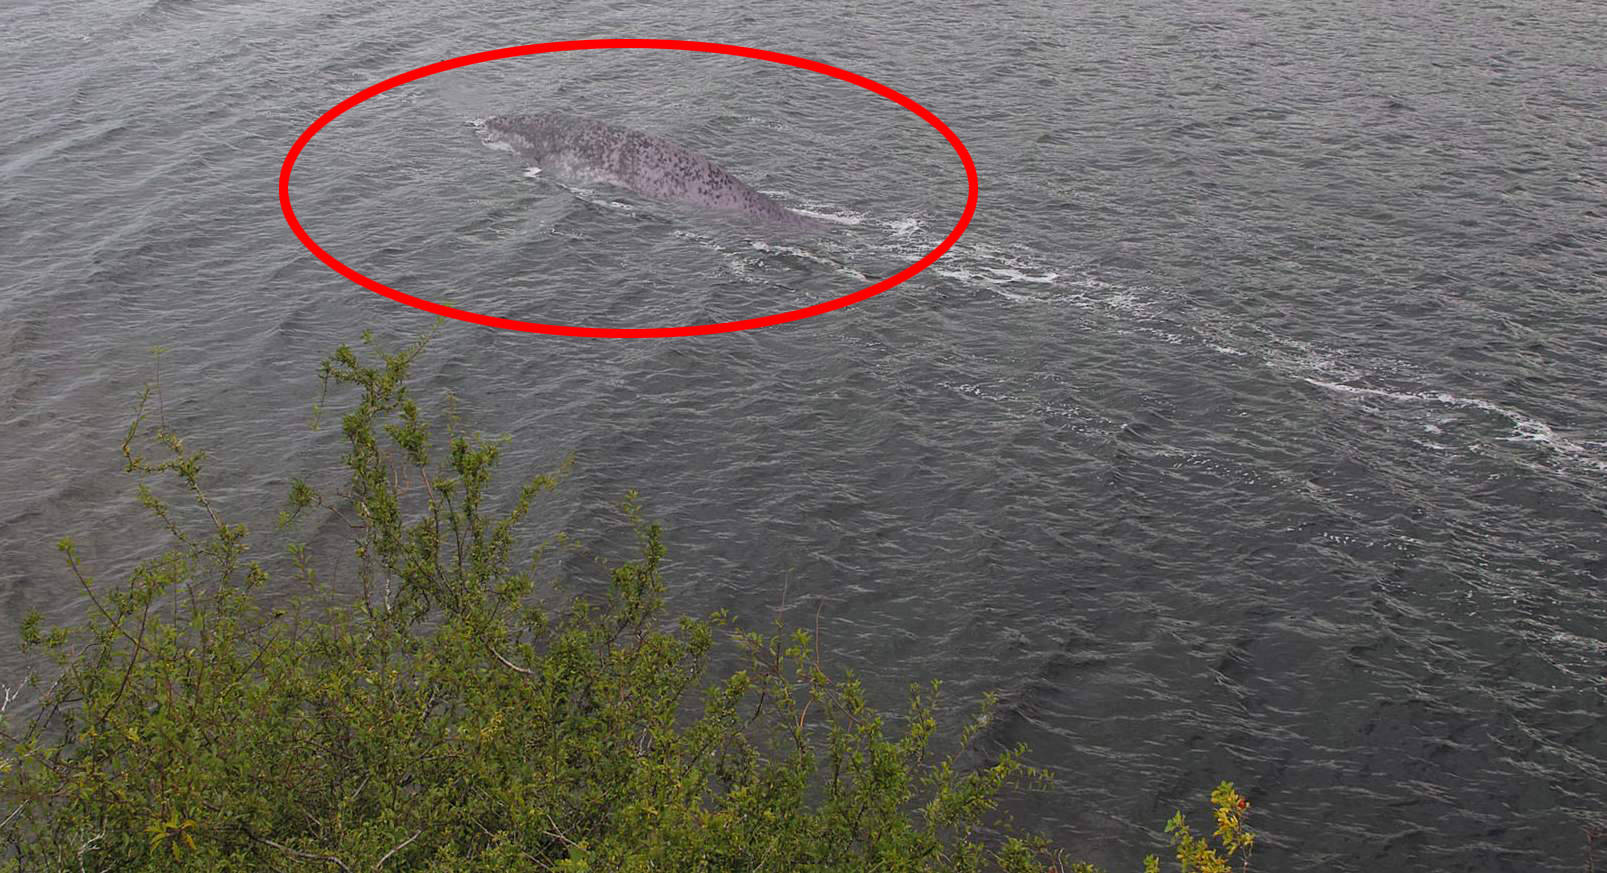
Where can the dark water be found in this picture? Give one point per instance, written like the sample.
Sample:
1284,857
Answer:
1255,430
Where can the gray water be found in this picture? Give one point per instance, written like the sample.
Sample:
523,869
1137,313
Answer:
1254,431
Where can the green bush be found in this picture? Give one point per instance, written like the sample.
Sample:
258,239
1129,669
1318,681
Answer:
441,718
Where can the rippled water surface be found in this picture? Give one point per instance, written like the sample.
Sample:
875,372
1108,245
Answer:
1255,430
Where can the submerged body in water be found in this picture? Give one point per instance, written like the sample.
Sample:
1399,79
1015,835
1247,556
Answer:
589,151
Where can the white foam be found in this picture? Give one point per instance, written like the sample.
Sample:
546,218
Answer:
1129,302
815,209
1526,428
850,219
1011,272
796,252
591,196
1014,275
999,277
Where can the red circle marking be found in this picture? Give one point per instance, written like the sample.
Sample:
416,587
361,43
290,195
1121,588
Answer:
585,45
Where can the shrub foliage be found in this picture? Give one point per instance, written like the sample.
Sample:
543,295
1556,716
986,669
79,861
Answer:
433,714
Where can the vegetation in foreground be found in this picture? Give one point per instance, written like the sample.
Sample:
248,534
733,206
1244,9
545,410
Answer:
442,719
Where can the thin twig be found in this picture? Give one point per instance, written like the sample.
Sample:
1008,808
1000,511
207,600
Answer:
554,832
85,847
328,859
397,848
133,658
507,663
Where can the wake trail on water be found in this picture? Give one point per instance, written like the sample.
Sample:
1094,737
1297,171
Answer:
863,248
1019,276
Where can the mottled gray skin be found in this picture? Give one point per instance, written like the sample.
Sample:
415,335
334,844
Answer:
583,150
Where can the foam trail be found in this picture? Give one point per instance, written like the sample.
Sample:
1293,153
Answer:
1527,427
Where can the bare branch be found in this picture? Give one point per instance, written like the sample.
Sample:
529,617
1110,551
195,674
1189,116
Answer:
507,663
397,848
328,859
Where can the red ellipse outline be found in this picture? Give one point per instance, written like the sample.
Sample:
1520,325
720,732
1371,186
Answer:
627,332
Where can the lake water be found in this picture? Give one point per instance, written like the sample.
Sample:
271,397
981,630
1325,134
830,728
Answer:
1255,430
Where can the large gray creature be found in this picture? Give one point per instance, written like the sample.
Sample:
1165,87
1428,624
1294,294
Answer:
586,151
